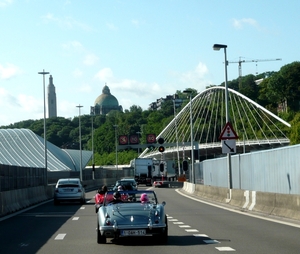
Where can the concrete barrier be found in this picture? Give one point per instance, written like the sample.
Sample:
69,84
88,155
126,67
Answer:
282,205
15,200
12,201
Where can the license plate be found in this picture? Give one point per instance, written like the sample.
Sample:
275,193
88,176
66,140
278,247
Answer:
134,232
68,190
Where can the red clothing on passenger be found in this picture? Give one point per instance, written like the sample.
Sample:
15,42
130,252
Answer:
99,198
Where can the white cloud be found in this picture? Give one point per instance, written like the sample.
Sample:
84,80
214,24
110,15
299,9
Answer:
135,22
67,109
196,75
4,3
239,23
105,75
85,88
21,107
72,45
77,73
8,71
111,26
66,22
30,104
90,59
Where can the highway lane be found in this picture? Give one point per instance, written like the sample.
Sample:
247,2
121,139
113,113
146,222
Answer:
194,227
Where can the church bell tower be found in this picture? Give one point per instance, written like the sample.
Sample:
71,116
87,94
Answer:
52,111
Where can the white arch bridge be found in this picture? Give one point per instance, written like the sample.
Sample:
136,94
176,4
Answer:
256,127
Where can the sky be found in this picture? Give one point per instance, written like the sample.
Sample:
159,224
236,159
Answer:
142,50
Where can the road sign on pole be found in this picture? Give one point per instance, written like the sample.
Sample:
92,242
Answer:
229,146
228,132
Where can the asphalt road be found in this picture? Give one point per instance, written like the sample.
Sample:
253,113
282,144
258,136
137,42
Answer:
194,227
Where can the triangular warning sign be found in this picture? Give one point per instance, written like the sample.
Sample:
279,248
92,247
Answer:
228,132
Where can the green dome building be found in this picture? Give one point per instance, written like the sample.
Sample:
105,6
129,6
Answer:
106,102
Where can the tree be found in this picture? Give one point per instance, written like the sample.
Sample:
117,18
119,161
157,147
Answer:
284,86
248,87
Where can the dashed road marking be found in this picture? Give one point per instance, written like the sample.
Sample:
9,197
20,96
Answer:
210,241
60,237
83,207
75,218
224,249
206,241
191,230
200,235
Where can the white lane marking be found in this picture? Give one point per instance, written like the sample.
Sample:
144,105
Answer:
83,207
184,226
224,249
191,230
211,241
200,235
177,223
173,220
60,237
75,218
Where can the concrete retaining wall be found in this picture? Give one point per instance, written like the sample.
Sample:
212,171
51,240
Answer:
12,201
282,205
15,200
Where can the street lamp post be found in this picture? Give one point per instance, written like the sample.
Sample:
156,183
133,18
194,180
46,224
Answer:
218,47
45,139
92,113
116,128
192,136
175,117
79,107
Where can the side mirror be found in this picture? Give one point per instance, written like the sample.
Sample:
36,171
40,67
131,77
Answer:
164,203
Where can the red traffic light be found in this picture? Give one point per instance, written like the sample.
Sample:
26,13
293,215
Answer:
161,149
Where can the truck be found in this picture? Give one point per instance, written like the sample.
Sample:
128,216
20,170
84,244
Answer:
148,170
143,170
168,173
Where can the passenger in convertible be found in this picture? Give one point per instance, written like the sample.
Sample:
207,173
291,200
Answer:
117,198
99,197
144,198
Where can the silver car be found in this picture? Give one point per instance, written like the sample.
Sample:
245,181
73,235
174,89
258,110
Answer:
69,189
128,214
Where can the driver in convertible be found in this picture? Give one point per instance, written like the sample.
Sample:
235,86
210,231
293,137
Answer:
117,198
